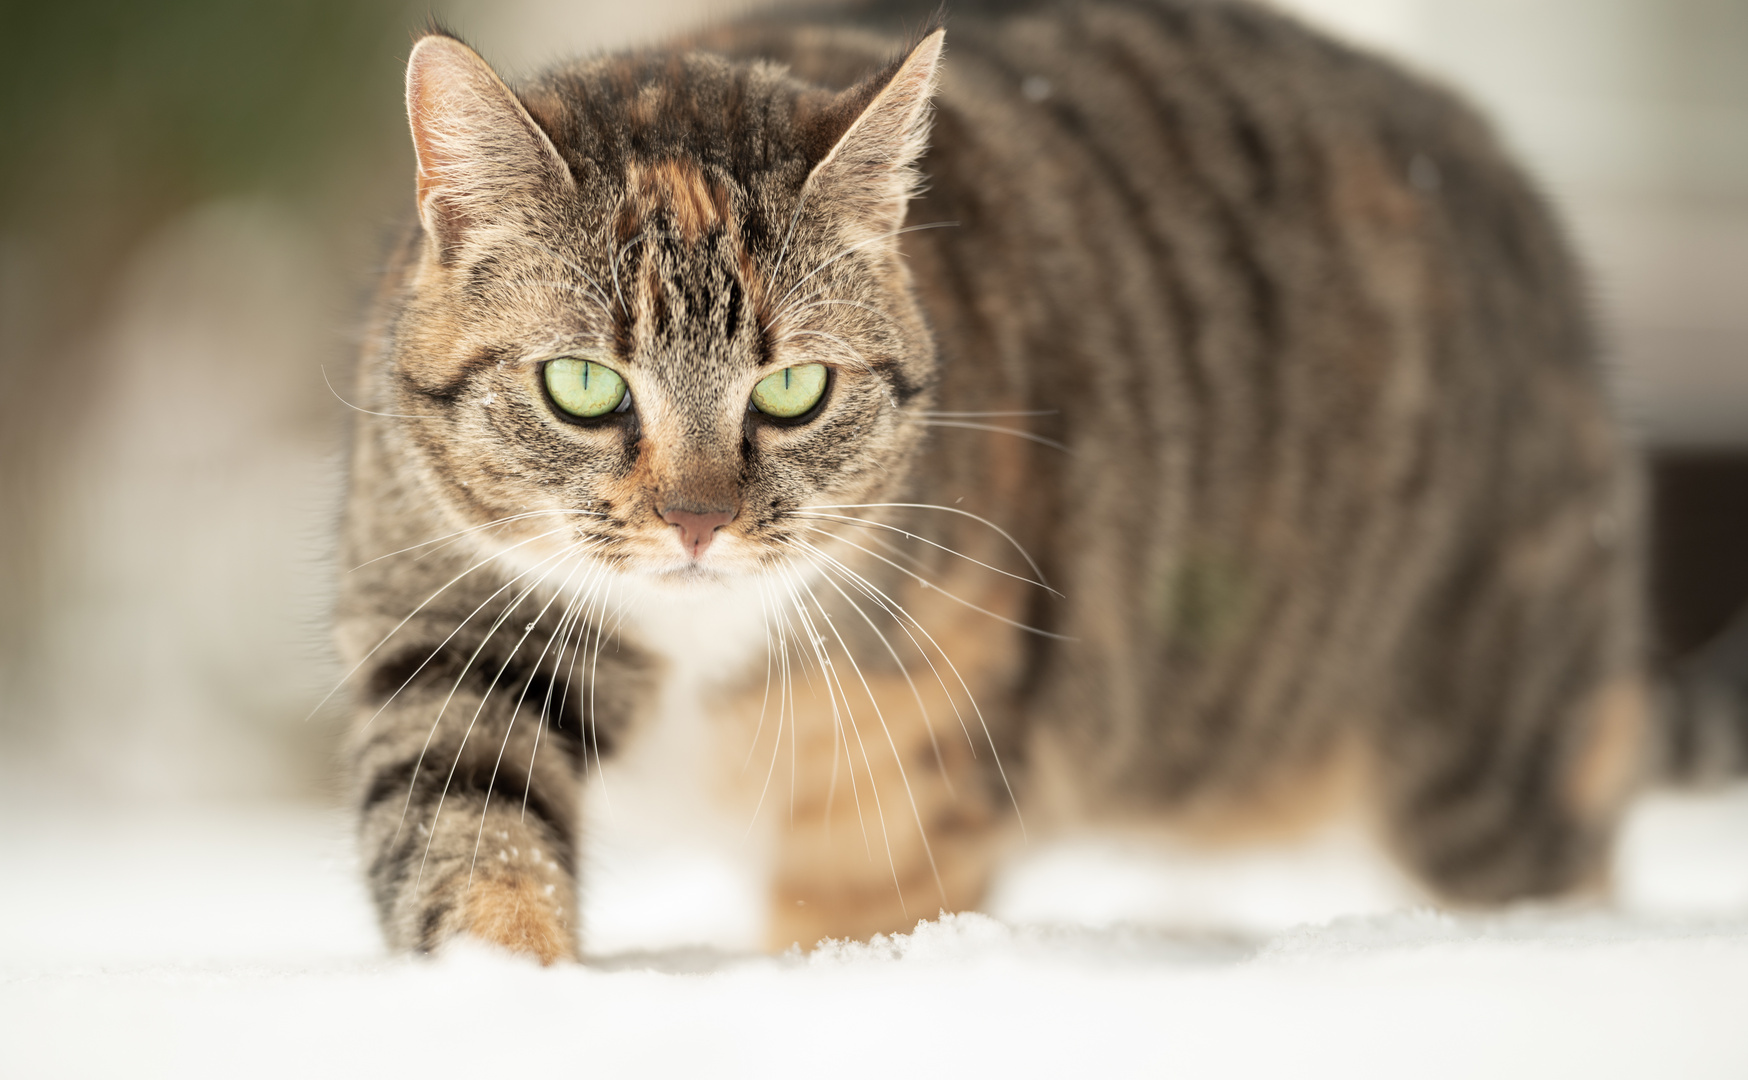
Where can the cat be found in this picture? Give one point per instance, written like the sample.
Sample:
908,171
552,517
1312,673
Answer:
1132,411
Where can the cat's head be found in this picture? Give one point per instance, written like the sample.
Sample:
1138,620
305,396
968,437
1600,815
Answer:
659,304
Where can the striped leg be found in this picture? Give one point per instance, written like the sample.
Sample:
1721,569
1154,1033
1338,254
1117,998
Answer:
896,809
469,822
1523,728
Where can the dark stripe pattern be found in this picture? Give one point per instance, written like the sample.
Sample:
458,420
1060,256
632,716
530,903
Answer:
1311,436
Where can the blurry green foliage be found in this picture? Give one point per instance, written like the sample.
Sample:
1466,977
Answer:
117,116
115,113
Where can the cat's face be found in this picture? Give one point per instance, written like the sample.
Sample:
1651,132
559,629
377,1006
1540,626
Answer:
629,336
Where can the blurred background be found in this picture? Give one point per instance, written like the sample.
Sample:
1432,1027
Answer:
194,195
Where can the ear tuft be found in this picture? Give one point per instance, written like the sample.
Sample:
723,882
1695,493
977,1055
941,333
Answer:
871,170
477,146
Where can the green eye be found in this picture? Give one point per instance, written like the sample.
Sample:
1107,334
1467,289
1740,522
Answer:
584,388
790,392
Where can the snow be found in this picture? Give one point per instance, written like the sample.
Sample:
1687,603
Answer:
223,941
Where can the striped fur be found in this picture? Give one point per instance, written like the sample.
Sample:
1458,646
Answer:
1260,352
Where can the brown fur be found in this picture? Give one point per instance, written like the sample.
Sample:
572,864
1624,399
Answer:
679,190
1611,757
1221,444
851,860
518,916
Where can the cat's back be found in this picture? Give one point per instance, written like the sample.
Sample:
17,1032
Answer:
1210,192
1272,280
1311,356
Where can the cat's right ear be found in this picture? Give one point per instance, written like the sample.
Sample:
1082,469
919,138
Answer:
869,174
478,148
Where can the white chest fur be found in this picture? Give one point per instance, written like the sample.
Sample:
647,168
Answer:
671,857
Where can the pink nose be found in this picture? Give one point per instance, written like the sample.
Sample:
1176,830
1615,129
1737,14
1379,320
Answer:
696,529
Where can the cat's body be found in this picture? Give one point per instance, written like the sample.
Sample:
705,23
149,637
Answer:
1258,352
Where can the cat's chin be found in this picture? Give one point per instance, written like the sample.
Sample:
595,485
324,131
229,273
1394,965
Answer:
692,575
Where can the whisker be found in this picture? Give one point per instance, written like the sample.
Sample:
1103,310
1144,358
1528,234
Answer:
788,234
822,665
577,611
1003,533
914,560
897,760
809,304
927,584
913,536
594,680
1016,432
777,741
579,632
794,720
764,702
922,708
835,691
572,614
587,292
371,412
997,412
422,605
829,565
451,636
786,634
618,257
560,635
509,728
422,556
569,264
851,250
471,529
897,609
846,346
413,784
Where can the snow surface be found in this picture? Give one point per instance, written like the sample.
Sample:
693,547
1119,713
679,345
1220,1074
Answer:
236,942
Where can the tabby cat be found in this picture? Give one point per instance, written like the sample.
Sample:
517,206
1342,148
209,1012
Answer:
1137,411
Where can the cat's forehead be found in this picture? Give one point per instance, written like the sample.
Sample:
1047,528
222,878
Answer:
678,191
687,170
618,118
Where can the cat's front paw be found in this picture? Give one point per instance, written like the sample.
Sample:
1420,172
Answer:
522,915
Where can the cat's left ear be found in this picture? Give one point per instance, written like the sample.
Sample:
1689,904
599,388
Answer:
870,172
479,150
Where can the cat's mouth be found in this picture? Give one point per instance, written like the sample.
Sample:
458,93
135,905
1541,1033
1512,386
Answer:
728,558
